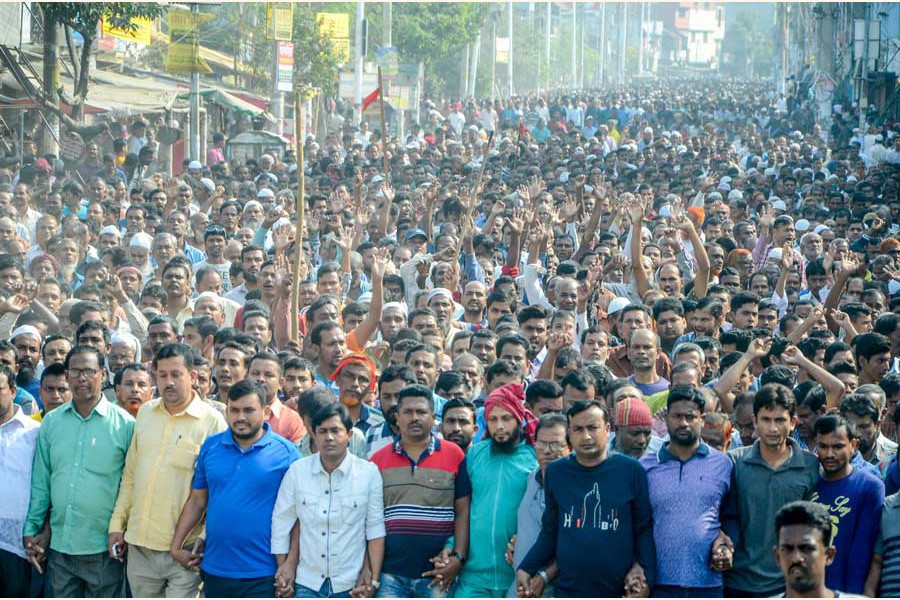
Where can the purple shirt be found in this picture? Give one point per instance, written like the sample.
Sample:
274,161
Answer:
687,498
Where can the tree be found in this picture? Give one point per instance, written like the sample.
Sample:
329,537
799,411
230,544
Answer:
433,33
84,18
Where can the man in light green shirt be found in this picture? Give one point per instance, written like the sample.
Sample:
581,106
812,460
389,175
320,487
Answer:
78,464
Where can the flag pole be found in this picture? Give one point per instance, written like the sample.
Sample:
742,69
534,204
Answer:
384,132
301,204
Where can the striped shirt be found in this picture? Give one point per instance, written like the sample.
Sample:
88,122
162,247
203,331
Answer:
888,546
419,497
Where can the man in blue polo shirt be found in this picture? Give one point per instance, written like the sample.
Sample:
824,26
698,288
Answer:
688,483
236,483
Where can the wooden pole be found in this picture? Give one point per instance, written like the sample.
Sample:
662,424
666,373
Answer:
384,132
301,200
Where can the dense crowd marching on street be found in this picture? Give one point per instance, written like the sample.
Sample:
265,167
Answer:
632,342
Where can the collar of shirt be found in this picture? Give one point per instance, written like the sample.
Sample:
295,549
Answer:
102,408
193,409
794,462
276,407
664,455
433,446
19,418
265,440
343,468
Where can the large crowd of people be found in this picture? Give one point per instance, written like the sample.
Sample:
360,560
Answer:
633,342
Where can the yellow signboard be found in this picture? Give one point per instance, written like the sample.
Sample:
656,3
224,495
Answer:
184,42
141,35
279,21
336,27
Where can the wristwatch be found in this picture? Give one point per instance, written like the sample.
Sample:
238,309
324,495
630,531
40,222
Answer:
455,554
544,576
376,583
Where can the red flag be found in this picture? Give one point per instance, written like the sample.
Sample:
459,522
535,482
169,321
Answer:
368,100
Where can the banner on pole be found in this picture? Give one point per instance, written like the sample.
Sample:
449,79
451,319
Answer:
279,20
389,61
336,27
284,68
502,49
184,42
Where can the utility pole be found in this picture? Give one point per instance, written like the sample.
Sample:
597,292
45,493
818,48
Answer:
464,72
195,105
864,77
623,43
493,54
547,29
603,53
473,70
358,46
509,65
574,44
51,83
386,18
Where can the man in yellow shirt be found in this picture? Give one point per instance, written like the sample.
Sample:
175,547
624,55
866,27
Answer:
157,479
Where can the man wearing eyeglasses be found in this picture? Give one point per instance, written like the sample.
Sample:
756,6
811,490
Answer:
550,444
78,465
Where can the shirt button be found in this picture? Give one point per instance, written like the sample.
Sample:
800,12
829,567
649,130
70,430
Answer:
323,533
326,492
323,556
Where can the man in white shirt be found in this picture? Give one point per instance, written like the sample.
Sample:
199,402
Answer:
338,500
18,439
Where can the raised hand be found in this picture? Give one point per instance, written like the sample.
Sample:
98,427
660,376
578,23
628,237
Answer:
787,257
759,347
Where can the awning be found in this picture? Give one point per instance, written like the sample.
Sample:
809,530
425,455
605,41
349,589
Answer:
230,101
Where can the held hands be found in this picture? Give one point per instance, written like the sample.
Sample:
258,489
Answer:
722,553
116,545
189,559
636,582
446,568
284,580
36,549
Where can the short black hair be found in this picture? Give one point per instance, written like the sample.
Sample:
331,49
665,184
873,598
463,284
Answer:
416,391
176,350
332,410
117,377
551,420
54,370
83,349
456,403
583,405
831,422
245,387
311,400
774,395
542,388
805,513
859,405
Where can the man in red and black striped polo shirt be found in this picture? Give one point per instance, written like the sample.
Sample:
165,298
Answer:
426,501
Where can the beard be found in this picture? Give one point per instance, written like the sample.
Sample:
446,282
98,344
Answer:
391,417
864,444
508,446
25,374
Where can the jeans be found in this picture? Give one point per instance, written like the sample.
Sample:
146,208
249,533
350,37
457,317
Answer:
15,575
301,591
85,576
229,587
677,591
397,586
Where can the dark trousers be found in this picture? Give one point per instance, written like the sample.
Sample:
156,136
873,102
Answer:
736,593
15,576
85,576
226,587
677,591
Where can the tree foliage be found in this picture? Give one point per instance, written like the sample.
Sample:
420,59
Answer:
433,33
84,18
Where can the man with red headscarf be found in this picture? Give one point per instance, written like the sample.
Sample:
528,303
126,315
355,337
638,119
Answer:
355,379
498,467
